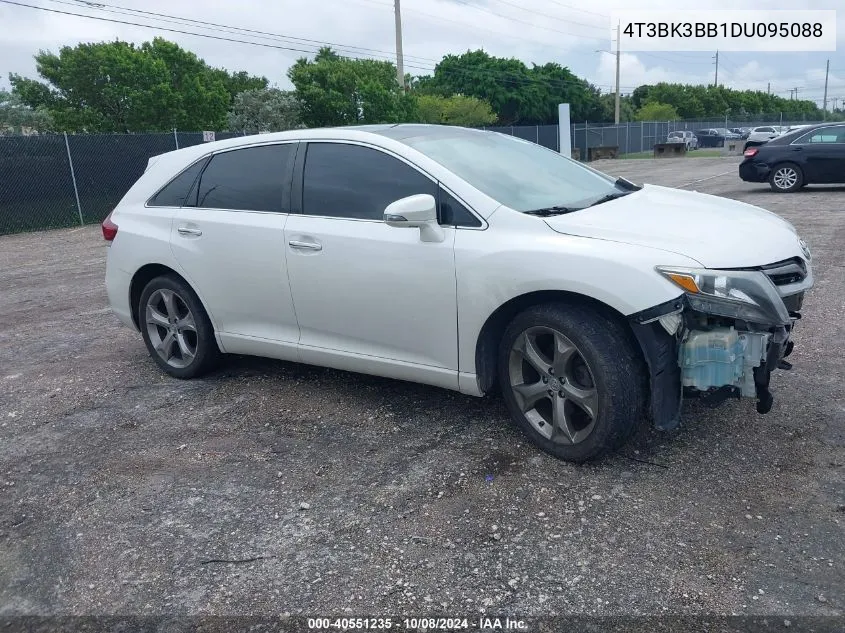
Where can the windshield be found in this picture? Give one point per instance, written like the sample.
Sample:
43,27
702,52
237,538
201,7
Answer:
676,135
517,173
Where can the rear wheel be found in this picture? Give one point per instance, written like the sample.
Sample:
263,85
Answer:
572,380
176,329
786,178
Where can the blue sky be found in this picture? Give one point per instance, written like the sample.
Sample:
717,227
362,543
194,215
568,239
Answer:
565,31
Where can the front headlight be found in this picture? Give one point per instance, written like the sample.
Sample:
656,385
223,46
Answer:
740,294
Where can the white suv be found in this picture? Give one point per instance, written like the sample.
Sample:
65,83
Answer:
464,259
687,138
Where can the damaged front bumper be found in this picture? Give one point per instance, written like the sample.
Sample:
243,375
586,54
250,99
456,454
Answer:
692,352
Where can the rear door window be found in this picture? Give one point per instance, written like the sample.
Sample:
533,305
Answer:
248,179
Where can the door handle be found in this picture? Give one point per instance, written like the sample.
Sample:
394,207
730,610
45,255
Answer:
308,246
184,230
797,148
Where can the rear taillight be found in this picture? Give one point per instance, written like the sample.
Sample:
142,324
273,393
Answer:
751,151
109,229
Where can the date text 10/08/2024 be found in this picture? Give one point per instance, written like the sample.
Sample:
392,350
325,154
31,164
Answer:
442,624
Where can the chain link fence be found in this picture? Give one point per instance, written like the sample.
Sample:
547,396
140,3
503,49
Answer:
57,181
630,138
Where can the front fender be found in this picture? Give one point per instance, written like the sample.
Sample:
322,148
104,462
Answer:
510,260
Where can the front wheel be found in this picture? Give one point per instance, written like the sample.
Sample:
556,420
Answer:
786,178
176,329
572,380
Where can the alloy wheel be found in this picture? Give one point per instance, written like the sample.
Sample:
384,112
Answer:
785,178
171,328
553,385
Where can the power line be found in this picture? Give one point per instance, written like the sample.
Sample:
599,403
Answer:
464,25
672,60
536,26
499,74
549,15
570,7
162,28
309,46
116,9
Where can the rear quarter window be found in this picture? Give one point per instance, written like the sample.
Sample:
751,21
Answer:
176,192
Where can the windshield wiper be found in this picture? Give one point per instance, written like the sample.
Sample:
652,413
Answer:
547,211
627,185
608,198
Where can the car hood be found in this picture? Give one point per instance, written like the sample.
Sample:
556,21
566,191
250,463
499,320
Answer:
716,232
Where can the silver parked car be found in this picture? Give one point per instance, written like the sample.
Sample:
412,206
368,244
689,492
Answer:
683,136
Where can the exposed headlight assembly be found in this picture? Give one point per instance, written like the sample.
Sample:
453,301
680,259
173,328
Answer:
747,295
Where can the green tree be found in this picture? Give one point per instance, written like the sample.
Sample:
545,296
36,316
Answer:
118,87
200,98
17,117
715,101
656,111
454,110
608,108
517,93
336,90
239,82
259,110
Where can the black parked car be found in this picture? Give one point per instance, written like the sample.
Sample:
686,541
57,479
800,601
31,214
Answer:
810,155
710,138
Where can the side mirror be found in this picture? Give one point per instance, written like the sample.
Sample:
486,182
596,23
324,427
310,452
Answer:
419,211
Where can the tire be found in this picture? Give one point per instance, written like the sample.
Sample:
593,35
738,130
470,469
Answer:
176,328
597,365
786,178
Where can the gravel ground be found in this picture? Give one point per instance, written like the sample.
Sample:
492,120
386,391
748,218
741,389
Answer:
271,487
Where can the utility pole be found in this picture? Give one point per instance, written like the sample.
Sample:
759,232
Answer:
796,93
824,102
716,82
400,70
769,88
616,111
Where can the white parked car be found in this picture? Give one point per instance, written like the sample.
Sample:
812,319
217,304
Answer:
762,134
687,138
792,128
460,258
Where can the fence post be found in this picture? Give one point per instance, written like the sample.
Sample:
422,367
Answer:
537,134
586,141
628,137
642,138
73,178
176,138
